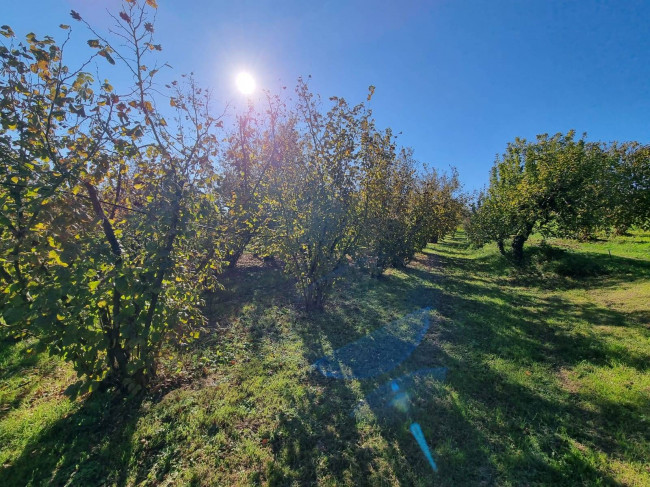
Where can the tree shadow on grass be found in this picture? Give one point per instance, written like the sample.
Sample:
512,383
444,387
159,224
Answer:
555,268
528,431
484,322
388,453
17,365
318,441
524,326
261,285
485,427
89,447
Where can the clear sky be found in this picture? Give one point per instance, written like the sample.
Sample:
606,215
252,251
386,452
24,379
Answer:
458,78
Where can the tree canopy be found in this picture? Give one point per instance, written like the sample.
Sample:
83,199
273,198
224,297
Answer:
561,186
121,207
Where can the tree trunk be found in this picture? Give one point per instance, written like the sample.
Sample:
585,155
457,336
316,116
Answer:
518,249
378,267
165,266
314,295
233,258
237,252
501,246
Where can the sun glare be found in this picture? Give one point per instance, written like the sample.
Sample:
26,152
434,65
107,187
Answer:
245,83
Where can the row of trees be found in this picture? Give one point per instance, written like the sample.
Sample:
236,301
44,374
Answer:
120,207
565,187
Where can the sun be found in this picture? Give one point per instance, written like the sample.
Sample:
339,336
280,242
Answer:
245,83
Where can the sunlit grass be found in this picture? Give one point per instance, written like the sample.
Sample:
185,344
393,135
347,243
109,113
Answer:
547,384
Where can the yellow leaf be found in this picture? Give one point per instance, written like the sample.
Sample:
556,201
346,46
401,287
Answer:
6,31
60,317
54,258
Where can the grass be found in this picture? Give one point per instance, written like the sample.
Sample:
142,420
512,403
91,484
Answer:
548,383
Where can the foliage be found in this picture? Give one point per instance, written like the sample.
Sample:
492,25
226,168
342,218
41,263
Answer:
99,205
119,208
440,204
557,184
628,204
315,194
341,191
387,192
402,211
254,150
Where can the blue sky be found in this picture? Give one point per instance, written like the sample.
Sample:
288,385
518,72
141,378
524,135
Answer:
458,78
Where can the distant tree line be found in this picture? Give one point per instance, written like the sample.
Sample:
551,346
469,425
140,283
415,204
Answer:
562,186
119,207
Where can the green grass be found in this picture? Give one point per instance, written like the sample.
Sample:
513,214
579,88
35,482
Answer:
548,383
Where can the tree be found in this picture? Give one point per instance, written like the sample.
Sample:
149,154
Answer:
629,198
554,184
401,212
315,195
100,204
253,152
485,223
443,204
386,189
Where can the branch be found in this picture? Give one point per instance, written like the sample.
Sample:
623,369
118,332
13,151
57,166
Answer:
106,224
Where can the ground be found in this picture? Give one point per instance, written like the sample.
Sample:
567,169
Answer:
548,383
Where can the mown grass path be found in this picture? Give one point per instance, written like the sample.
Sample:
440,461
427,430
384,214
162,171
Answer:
547,384
555,373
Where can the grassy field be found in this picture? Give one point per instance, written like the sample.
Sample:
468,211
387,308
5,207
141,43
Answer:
548,383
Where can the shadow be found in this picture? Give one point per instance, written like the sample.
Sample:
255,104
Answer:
89,447
520,424
517,325
17,358
378,352
318,442
487,321
348,319
489,422
251,282
484,426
